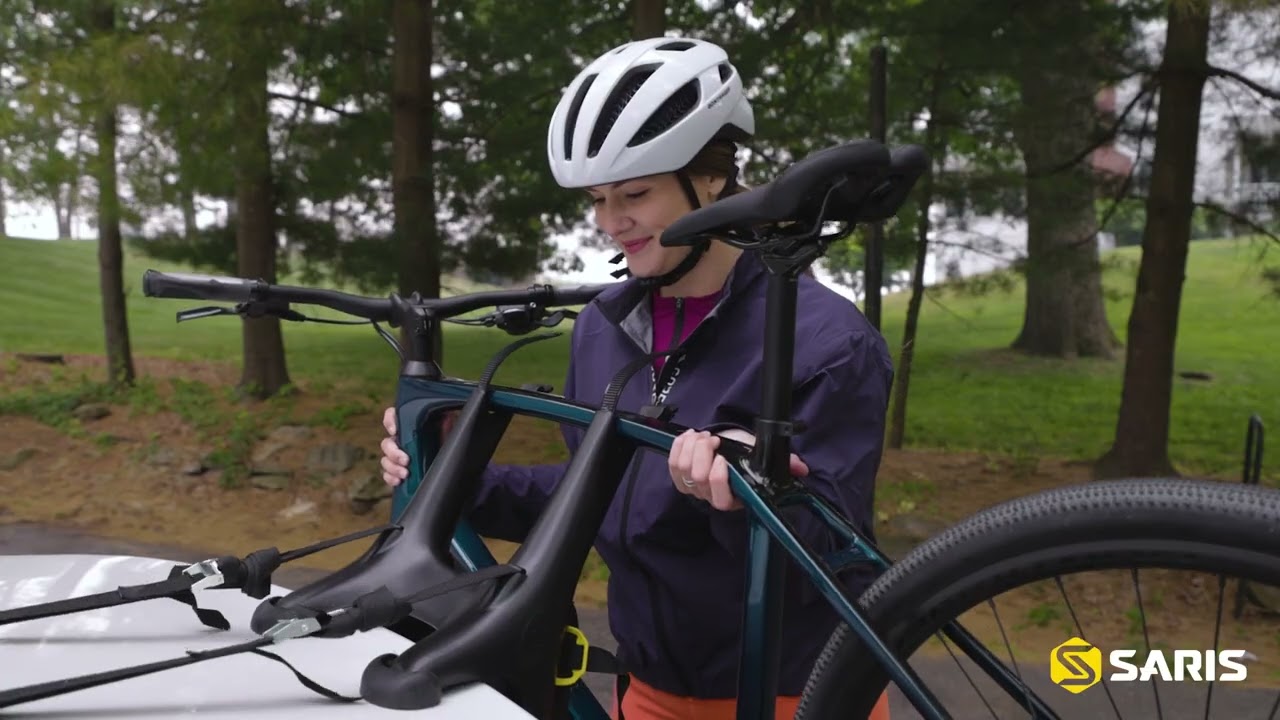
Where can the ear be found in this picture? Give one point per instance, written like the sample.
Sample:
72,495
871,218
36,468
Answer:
713,185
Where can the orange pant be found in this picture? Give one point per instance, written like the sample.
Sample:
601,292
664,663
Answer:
645,702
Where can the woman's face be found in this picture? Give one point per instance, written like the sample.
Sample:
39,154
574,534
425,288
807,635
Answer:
635,212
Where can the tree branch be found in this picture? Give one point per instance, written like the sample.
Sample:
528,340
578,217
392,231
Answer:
1239,219
312,103
1103,139
1215,71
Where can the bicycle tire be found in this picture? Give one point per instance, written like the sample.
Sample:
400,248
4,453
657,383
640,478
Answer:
1143,523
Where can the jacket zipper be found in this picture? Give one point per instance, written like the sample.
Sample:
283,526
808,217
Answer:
660,381
658,615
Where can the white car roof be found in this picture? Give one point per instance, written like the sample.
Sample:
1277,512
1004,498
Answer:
243,686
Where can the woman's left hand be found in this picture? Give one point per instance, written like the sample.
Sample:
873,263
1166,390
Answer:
697,470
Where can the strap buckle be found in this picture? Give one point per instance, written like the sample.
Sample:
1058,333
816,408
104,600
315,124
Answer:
580,640
208,572
293,628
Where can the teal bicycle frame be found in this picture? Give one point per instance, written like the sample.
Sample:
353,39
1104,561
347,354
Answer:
771,540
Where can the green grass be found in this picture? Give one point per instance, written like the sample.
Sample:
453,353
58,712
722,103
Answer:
49,302
967,390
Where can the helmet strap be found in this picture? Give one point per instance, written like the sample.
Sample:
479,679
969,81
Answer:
696,251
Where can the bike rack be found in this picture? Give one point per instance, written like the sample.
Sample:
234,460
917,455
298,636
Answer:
1252,474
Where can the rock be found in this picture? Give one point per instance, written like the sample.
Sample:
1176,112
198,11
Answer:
334,459
91,411
162,457
298,508
11,462
195,467
289,434
268,450
270,469
366,492
270,482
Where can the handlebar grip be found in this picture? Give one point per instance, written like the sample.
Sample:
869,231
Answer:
199,287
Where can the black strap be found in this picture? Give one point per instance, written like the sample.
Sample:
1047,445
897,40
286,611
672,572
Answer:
40,691
620,690
177,586
307,682
252,575
380,608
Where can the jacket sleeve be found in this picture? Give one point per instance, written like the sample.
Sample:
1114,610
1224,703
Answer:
511,497
843,406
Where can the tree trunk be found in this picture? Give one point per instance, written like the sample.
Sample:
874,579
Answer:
1141,446
1064,314
60,213
189,226
264,372
73,189
648,19
3,210
115,318
936,146
413,189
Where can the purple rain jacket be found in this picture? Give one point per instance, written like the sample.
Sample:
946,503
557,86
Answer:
677,565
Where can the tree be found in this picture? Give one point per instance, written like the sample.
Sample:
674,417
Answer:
264,372
1055,127
1142,429
935,143
115,318
649,18
413,112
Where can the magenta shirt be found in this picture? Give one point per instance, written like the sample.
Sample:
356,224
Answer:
666,310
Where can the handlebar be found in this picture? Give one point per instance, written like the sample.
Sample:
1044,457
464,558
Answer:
393,309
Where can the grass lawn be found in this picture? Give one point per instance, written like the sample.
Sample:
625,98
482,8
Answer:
967,390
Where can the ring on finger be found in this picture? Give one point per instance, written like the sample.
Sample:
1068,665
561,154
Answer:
687,481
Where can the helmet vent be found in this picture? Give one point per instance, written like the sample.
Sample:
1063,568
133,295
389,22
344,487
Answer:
675,45
572,119
726,71
679,105
622,93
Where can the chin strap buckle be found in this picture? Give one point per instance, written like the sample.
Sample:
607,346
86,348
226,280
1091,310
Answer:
622,271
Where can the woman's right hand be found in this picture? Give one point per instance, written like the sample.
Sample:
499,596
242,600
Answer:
395,462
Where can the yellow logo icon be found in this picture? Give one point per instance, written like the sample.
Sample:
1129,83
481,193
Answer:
1076,665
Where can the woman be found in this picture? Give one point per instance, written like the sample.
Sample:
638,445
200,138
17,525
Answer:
648,132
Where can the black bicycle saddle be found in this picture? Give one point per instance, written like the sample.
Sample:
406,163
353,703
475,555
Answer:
870,184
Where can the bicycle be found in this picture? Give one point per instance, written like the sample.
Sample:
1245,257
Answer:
464,621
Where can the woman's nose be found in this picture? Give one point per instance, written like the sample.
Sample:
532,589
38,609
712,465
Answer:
611,221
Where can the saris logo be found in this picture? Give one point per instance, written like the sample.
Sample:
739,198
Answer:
1076,665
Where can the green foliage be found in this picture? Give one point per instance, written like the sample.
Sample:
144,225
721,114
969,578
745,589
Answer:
968,393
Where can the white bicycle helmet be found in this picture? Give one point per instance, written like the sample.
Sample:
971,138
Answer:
644,108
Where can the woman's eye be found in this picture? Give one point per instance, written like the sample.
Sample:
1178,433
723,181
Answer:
638,194
595,201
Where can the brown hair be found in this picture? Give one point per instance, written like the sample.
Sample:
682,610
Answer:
718,158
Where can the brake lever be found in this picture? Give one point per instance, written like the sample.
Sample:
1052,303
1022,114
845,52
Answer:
204,312
253,309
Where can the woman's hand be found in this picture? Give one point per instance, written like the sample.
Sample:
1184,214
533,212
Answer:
395,462
697,470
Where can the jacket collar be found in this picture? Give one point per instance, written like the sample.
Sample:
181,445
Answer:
617,304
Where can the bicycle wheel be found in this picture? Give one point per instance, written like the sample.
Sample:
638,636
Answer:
1225,530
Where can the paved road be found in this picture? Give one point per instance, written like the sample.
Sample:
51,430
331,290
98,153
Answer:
953,689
